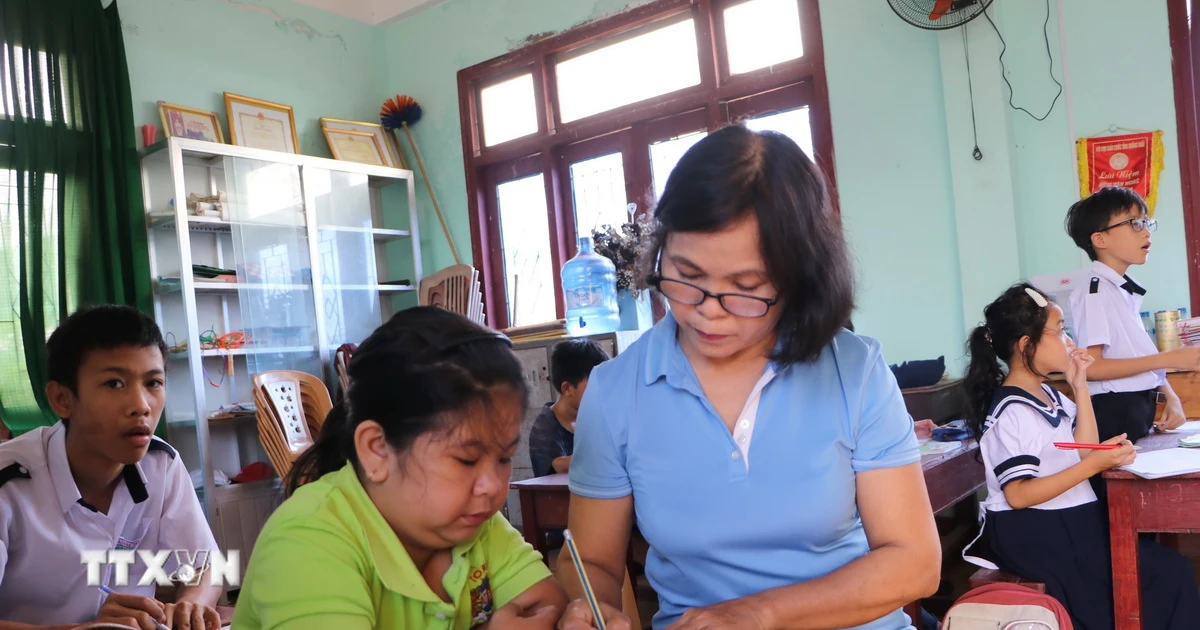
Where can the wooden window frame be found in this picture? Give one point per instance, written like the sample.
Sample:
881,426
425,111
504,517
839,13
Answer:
718,99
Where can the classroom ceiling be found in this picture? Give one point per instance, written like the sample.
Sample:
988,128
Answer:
372,11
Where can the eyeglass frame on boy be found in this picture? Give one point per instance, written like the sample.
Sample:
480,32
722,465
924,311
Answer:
1145,224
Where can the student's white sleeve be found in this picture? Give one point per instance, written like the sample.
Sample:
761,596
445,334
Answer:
1089,320
1015,442
182,524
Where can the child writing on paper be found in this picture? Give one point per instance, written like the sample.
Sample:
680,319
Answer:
1042,516
399,526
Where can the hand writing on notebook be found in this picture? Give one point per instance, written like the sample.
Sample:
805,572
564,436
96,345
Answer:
134,611
924,429
579,617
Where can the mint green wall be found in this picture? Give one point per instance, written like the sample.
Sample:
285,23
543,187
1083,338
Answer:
191,51
935,234
425,53
1131,88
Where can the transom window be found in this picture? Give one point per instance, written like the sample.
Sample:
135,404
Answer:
565,135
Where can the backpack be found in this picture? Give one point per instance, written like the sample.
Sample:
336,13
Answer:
1004,607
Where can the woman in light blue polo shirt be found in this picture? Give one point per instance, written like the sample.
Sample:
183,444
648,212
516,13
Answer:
763,449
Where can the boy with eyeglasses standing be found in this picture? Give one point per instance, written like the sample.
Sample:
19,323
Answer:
1129,375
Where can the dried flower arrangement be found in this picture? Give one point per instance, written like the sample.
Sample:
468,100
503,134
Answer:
625,247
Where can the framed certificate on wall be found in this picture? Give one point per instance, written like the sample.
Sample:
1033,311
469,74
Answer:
355,146
261,124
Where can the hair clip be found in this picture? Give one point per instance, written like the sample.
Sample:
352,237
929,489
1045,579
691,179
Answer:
1038,298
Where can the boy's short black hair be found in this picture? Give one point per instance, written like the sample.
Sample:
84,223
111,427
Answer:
1096,211
97,328
573,360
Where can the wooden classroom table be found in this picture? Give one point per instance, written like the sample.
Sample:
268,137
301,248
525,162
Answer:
1169,505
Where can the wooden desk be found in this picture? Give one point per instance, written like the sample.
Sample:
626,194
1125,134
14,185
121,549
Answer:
950,477
1145,505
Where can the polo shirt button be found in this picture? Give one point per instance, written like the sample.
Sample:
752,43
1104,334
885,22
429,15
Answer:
737,454
22,470
745,423
742,440
440,616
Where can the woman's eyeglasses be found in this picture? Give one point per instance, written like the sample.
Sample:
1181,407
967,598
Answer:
692,295
1138,224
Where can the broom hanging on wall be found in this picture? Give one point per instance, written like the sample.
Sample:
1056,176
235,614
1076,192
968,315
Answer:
401,112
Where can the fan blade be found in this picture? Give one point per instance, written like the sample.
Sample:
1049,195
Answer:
941,8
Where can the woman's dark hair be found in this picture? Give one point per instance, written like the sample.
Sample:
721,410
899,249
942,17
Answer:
1096,211
409,376
736,172
1010,317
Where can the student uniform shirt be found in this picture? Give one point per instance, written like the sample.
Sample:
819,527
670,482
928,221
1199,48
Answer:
45,525
1106,312
328,559
727,517
548,440
1018,443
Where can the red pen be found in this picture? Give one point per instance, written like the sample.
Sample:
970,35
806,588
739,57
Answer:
1094,447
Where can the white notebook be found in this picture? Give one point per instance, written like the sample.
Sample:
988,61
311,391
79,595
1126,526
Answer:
1165,463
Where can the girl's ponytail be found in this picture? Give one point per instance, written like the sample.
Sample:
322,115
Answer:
983,377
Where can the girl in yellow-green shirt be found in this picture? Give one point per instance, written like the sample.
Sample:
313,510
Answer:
400,528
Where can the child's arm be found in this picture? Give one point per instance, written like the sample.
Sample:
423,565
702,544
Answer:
1024,493
561,464
1085,416
1106,369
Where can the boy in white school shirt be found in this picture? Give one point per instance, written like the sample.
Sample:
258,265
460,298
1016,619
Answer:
1129,375
98,480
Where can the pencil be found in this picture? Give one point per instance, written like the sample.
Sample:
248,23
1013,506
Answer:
583,579
1094,447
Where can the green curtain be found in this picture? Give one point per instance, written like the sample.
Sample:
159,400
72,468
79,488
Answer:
71,226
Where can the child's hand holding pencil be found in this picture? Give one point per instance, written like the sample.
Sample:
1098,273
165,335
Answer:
588,613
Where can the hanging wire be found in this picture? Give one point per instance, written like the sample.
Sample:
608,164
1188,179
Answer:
1049,57
975,153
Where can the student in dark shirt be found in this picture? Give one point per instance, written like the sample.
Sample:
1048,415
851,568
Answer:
552,438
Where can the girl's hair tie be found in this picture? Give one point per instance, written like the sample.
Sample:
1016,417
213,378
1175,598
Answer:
1038,298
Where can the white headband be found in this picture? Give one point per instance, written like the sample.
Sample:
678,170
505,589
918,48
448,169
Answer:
1038,298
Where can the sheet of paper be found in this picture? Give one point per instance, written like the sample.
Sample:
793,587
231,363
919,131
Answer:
1165,463
1191,426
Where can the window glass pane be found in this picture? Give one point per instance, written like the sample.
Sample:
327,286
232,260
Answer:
525,237
15,387
629,71
760,33
793,123
664,155
598,188
509,110
15,93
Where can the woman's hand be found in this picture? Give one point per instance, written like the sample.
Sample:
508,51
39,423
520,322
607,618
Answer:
1077,365
735,614
579,617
